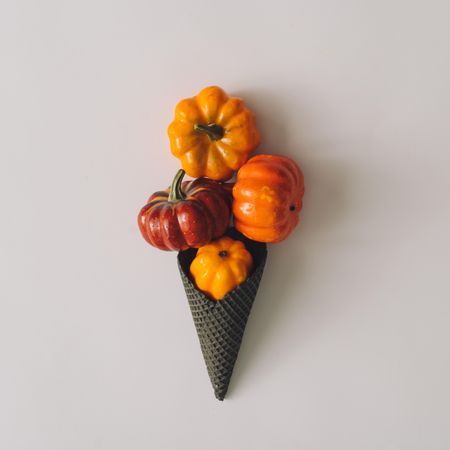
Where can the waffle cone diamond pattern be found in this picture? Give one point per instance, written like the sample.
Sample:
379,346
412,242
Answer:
220,324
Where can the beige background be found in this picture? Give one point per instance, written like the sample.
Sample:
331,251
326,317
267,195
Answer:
347,347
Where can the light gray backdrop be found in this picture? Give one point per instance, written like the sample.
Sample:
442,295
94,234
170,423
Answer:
347,347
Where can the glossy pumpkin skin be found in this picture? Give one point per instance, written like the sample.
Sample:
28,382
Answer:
267,198
221,266
212,134
189,214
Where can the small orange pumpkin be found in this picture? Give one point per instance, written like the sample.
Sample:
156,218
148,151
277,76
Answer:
267,198
221,266
212,134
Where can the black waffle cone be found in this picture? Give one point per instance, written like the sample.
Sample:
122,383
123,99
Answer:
220,324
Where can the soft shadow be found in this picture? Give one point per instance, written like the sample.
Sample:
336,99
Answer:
273,120
324,205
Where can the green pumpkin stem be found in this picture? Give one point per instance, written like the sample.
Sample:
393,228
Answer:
176,193
212,130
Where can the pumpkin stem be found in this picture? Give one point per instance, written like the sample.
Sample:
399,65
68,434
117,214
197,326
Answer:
212,130
176,193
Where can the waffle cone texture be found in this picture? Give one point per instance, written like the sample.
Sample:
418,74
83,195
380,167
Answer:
221,324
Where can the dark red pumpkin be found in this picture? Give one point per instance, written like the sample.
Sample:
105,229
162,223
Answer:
189,214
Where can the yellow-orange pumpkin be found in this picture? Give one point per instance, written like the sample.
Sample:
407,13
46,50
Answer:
221,266
212,134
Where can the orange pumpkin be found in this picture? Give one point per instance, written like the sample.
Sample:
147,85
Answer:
212,134
221,266
267,198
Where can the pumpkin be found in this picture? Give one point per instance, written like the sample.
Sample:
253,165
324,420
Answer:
189,214
221,266
212,134
267,198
